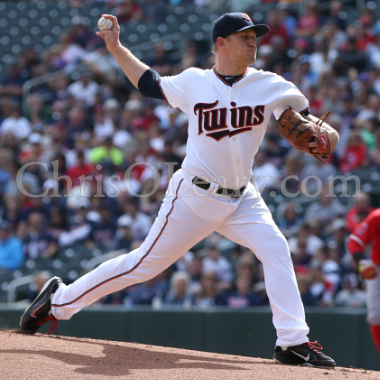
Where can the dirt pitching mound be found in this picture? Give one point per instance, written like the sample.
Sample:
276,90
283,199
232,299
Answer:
26,357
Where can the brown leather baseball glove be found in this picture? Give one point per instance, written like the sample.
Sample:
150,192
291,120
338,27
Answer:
300,132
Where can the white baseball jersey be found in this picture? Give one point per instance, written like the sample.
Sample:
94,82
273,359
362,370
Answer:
227,124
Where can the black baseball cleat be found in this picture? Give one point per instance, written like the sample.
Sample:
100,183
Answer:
306,354
39,312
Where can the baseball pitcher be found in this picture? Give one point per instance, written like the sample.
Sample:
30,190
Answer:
229,108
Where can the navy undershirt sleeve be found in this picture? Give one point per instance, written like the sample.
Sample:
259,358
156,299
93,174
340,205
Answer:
149,85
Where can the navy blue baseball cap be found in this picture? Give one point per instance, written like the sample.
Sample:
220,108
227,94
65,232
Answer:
235,22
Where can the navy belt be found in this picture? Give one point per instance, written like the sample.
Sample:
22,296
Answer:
221,190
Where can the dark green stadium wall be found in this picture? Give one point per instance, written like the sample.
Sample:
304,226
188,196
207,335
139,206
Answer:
343,333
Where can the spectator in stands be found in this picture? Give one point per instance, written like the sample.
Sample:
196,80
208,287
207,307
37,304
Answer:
141,222
84,90
317,169
274,151
371,109
190,57
355,214
116,298
266,175
375,152
326,208
216,263
39,282
291,221
350,295
338,239
288,21
107,154
161,62
243,296
78,226
30,205
76,124
301,258
355,153
29,180
277,28
320,287
208,294
80,169
336,14
350,57
167,155
33,150
11,84
17,124
290,171
128,11
11,250
245,265
103,126
330,268
39,112
194,269
179,294
308,23
313,242
103,232
57,222
37,241
303,281
143,294
124,237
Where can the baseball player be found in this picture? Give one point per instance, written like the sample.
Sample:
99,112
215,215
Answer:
368,231
229,108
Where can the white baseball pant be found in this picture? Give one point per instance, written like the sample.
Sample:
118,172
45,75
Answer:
181,223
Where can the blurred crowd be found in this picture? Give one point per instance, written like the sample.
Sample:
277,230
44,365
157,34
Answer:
87,128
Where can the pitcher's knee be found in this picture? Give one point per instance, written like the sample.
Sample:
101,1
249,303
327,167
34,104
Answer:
278,244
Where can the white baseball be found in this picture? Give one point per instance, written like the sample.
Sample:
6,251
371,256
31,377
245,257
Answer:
105,23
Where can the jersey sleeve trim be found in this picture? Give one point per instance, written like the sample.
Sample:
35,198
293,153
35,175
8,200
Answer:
355,238
237,80
162,92
243,75
148,85
217,74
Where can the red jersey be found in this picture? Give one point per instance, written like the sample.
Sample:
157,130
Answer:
366,232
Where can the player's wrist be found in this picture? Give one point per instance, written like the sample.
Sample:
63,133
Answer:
114,47
358,256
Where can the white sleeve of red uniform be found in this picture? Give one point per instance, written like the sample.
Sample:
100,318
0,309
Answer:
290,96
175,90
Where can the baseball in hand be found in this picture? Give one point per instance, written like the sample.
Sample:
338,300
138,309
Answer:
105,23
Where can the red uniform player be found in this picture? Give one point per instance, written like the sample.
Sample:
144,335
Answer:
365,233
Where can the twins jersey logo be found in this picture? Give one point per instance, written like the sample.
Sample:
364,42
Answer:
214,120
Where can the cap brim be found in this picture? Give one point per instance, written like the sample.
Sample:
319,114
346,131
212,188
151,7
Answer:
260,29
